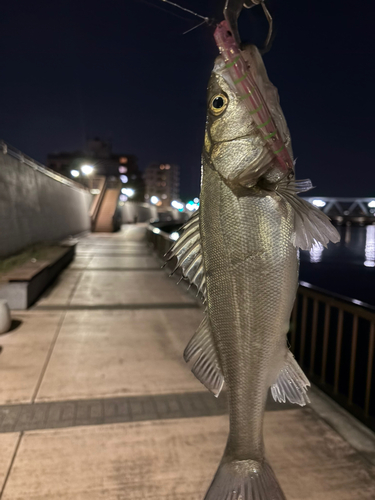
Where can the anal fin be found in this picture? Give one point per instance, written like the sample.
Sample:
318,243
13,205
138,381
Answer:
291,383
206,365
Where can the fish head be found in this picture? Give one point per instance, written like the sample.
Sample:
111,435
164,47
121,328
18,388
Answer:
233,144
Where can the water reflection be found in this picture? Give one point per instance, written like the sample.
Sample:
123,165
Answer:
316,253
346,268
370,247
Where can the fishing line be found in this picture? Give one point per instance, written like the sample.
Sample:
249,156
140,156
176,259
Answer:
206,19
197,26
164,10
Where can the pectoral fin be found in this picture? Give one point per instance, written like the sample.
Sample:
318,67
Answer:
202,350
291,384
188,252
311,225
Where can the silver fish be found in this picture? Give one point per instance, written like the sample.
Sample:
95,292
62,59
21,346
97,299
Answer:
241,251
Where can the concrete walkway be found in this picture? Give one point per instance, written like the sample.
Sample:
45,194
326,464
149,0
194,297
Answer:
97,403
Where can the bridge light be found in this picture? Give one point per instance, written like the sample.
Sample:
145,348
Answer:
154,200
177,204
319,203
174,236
74,173
87,169
371,204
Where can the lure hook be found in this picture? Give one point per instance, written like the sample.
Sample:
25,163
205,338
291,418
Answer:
232,11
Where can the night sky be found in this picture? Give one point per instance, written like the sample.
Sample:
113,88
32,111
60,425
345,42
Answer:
123,70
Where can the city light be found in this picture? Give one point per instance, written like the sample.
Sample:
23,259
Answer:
192,206
371,204
124,179
123,197
122,170
128,191
196,200
174,236
177,204
154,200
74,173
319,203
87,169
156,230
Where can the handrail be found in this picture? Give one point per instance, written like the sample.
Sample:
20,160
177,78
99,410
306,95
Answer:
346,345
7,149
332,338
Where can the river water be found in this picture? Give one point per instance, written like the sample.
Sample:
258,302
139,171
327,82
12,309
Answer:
346,268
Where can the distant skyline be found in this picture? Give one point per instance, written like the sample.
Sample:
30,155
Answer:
124,71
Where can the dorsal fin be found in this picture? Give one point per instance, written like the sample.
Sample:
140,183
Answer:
202,350
188,252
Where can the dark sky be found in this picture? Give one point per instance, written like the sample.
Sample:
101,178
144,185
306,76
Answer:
122,69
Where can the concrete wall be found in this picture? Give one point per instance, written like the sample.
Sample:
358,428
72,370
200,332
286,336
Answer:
36,207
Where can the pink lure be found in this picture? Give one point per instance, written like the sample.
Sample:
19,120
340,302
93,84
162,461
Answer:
251,95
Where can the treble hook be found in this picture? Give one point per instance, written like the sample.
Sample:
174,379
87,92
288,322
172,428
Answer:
232,11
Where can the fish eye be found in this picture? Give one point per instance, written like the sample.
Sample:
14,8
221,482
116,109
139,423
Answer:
218,104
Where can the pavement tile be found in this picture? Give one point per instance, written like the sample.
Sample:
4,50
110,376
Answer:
121,353
133,287
62,289
125,262
176,460
23,354
8,444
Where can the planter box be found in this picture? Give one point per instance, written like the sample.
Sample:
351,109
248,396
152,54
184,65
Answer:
23,286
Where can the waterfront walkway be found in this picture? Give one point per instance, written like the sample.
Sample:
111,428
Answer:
96,402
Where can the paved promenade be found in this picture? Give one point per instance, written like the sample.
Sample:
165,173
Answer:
96,402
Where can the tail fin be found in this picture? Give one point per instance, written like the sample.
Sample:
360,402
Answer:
245,480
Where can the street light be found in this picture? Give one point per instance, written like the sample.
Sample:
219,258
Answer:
74,173
177,204
174,236
87,169
128,191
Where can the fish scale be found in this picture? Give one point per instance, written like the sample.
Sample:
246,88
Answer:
250,292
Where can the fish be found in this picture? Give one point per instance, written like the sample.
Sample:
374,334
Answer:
241,251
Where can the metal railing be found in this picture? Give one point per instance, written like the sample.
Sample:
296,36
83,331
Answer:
7,149
332,338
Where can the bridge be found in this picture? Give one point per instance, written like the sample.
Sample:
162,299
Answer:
96,401
360,210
